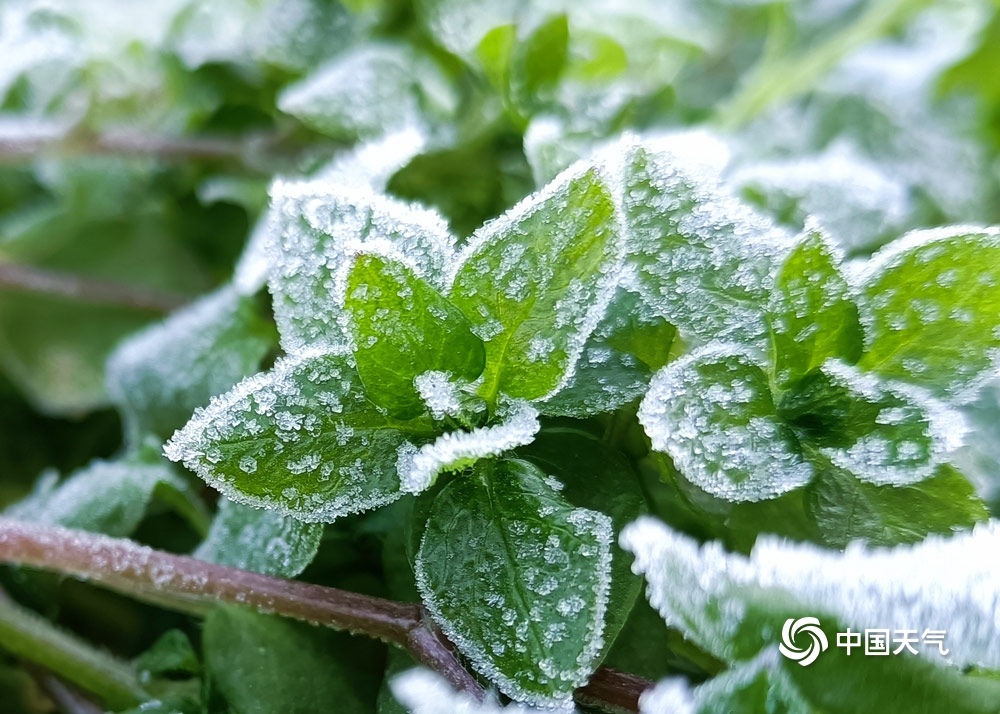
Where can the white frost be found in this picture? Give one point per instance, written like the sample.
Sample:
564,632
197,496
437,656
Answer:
418,467
941,583
423,692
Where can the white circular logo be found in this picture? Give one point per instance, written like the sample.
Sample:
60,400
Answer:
808,626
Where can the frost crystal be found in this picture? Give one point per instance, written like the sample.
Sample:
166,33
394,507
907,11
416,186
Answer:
942,583
418,467
712,412
442,396
319,226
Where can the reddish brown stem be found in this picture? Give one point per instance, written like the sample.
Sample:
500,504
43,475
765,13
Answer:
25,278
191,585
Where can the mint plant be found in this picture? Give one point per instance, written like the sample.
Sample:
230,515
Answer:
450,357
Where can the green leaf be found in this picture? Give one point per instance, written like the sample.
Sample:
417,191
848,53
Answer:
494,52
109,497
713,414
703,261
539,61
364,93
596,477
535,281
403,328
301,439
317,227
932,309
845,508
812,316
260,540
159,376
615,365
518,579
267,665
170,654
885,433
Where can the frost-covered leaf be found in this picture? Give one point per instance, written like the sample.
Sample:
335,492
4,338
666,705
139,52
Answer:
318,226
297,34
597,477
812,315
535,281
845,508
109,497
932,309
260,664
516,425
884,432
369,165
940,583
260,540
372,163
301,439
158,376
734,607
853,197
700,258
366,92
753,687
401,328
712,412
617,360
518,579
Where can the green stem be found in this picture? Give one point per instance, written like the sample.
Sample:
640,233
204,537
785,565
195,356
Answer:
777,79
30,637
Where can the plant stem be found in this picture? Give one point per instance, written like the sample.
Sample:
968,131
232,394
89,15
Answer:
778,78
31,637
36,280
66,698
190,585
25,146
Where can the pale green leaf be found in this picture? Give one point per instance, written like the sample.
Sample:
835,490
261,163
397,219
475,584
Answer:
535,281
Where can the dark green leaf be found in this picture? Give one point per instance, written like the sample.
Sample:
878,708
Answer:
172,653
596,477
883,432
518,579
845,508
812,316
267,665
